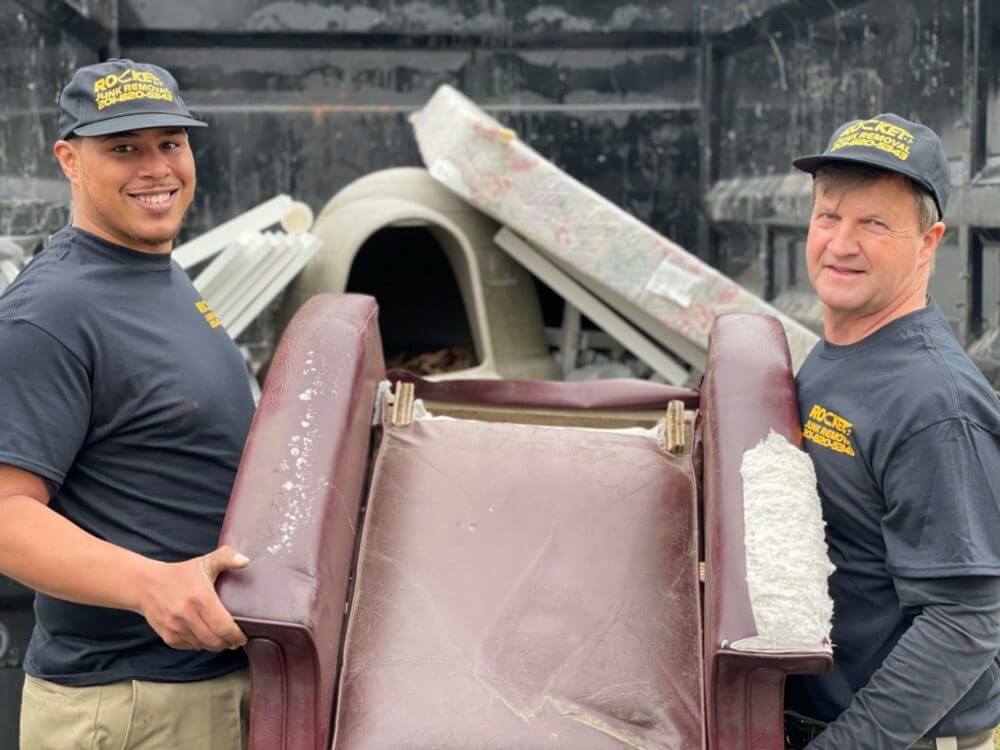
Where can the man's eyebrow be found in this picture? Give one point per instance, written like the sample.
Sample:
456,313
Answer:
133,134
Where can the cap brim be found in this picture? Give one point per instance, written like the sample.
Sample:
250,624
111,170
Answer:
139,121
812,163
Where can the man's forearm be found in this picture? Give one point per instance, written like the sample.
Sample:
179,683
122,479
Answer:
48,553
935,662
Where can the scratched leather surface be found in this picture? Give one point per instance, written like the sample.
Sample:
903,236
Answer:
294,512
566,616
524,587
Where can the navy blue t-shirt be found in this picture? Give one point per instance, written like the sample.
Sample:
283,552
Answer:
904,432
120,388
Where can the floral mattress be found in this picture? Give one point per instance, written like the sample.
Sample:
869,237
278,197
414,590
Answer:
661,288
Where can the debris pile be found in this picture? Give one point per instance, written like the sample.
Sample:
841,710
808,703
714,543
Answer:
658,287
438,362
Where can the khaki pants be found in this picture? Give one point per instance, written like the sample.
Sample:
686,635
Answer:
206,715
951,743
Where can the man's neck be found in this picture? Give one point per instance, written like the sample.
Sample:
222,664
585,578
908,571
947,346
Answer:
844,330
82,222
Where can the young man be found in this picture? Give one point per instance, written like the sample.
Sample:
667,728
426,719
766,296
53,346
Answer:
904,432
124,407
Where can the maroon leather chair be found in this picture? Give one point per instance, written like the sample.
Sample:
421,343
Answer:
466,584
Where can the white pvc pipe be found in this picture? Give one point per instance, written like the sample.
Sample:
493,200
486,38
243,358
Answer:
213,241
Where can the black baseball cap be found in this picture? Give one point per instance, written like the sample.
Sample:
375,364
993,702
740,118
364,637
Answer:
119,95
892,143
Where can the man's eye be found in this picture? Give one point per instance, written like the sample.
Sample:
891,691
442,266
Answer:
877,224
168,145
123,148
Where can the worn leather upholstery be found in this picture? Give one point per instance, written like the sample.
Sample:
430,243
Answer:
519,586
595,394
294,512
524,587
748,390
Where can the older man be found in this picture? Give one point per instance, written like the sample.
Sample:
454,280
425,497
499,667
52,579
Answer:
124,407
904,432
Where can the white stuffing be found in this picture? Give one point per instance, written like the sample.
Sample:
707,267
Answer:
420,410
786,553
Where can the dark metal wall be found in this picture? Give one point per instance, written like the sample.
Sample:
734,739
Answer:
37,56
304,97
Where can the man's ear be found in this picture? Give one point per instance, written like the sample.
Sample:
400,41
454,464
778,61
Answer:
68,155
931,240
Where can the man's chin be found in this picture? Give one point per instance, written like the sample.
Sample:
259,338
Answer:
154,238
841,295
841,304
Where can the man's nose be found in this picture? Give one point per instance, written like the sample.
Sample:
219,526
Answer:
154,166
843,241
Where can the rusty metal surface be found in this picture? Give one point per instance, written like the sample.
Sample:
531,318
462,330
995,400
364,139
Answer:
413,16
787,93
37,59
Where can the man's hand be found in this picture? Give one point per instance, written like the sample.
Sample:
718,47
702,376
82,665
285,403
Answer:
47,552
181,605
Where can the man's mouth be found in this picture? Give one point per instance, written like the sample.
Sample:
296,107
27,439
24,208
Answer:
155,200
844,270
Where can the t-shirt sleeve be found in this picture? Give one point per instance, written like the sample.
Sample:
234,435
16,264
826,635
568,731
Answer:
942,493
45,401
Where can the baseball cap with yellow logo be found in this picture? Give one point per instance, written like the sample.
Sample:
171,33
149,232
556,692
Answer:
119,95
893,143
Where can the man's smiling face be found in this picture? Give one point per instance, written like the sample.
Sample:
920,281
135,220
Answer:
865,249
131,188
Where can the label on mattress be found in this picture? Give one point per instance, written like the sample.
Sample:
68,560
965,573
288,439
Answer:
674,283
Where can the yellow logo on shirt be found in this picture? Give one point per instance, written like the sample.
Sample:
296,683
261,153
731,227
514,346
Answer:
210,317
828,429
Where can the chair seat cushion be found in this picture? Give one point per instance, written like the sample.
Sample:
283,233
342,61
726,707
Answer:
524,587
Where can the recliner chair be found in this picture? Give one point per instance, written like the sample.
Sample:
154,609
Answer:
454,582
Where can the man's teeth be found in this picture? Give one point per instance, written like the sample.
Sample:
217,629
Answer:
153,200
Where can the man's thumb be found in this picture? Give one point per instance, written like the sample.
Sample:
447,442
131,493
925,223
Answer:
224,558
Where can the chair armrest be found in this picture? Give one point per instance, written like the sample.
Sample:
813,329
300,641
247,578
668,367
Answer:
748,391
294,511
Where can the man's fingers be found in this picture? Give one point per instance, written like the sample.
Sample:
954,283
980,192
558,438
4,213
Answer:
207,639
179,639
224,558
222,624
